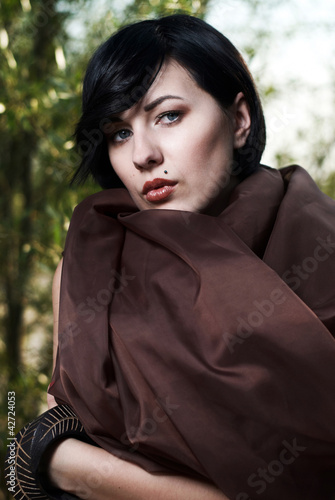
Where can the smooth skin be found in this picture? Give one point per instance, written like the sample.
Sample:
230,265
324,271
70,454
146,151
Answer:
180,128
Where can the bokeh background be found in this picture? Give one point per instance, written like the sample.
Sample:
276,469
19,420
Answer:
45,45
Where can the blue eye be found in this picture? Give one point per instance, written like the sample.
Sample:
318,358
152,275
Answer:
121,135
170,117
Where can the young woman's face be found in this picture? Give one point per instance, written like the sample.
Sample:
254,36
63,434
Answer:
174,148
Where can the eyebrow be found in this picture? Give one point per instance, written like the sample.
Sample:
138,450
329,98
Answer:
159,100
150,106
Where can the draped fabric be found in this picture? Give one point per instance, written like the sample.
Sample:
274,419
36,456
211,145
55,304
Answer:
205,345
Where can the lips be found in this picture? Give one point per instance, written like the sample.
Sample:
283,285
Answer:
158,189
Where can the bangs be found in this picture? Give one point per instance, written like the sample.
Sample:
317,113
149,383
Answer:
120,76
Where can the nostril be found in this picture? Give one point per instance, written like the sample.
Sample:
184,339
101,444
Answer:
147,161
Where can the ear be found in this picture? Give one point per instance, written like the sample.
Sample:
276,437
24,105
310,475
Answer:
241,119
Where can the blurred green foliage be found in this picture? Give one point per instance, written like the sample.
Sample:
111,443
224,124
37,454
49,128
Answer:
41,69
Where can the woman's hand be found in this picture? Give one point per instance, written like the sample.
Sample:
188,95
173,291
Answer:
51,401
92,473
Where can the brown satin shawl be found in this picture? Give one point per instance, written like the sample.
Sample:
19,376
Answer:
204,345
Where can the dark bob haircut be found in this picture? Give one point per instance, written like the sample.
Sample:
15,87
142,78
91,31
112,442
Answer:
123,68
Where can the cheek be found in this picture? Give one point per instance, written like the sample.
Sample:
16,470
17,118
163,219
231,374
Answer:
213,153
120,165
211,167
213,142
129,182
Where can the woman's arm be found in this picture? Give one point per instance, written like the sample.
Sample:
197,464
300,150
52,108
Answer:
55,305
94,474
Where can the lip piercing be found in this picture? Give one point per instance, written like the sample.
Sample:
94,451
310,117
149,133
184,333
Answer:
165,171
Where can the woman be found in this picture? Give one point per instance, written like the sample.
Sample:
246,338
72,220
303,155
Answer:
196,311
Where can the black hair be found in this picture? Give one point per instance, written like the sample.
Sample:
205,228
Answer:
123,68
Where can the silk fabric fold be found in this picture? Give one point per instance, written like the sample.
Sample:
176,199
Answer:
205,345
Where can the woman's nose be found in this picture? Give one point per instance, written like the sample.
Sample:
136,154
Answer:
146,152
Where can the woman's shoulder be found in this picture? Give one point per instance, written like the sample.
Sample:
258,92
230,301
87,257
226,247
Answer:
302,188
